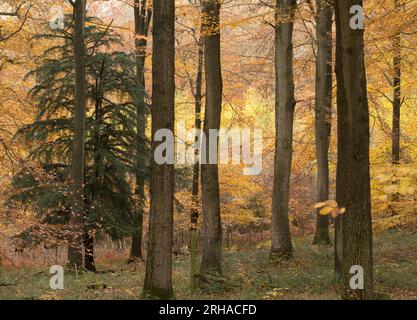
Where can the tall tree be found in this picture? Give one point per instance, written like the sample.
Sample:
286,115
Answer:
353,176
396,111
323,114
75,257
284,116
212,229
112,96
198,96
143,15
158,279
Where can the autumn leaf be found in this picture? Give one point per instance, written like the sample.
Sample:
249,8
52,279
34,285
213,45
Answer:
326,210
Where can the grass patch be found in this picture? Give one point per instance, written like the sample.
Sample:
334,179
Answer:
309,275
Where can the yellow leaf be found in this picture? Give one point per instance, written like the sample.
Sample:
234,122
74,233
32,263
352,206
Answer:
326,210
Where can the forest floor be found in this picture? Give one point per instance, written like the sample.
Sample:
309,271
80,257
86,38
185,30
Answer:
308,276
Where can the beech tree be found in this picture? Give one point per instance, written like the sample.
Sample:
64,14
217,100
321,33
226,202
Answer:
284,116
396,105
158,279
198,96
323,111
197,92
142,16
212,229
353,177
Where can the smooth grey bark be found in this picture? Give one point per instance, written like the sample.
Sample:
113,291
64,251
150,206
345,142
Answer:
75,256
158,278
284,117
142,14
353,173
323,112
212,229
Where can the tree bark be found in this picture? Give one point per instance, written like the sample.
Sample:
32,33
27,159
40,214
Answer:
341,140
143,15
323,112
77,167
353,176
396,132
135,254
89,263
212,230
284,115
158,279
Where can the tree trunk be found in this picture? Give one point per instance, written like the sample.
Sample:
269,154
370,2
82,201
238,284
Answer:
338,247
396,132
77,167
89,263
284,115
136,241
323,112
353,176
196,170
341,97
158,279
143,14
212,230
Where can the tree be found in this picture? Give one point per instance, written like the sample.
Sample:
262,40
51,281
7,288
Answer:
353,176
212,229
323,114
396,111
75,258
196,90
193,72
158,279
143,15
112,94
284,116
196,169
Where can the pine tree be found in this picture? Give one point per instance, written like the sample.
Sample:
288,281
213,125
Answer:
112,96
